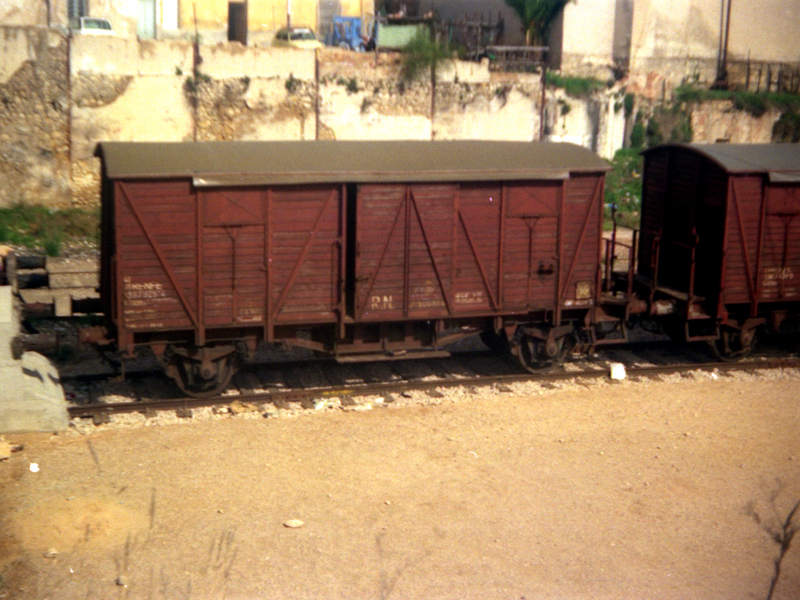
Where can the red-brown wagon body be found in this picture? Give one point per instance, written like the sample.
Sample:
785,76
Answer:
720,239
345,247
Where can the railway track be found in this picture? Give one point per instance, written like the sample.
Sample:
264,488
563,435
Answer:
310,384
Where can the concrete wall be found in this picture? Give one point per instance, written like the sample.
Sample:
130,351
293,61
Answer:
131,90
23,12
122,14
583,38
597,122
34,117
680,40
52,117
718,122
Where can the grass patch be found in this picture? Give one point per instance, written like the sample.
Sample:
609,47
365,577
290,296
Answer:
753,103
422,55
624,188
576,87
787,128
38,227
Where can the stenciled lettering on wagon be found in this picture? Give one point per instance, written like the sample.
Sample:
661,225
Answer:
379,302
469,297
250,315
149,290
425,296
141,318
778,274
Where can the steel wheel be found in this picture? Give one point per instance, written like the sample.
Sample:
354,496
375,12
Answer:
536,354
733,344
200,381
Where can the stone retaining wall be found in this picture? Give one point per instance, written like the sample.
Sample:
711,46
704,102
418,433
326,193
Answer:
60,96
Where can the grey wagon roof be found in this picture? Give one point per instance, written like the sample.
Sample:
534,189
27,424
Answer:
256,162
780,161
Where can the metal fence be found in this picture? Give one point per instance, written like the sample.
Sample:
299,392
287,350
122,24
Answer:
758,76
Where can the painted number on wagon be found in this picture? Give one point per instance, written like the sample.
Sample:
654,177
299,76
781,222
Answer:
381,302
143,291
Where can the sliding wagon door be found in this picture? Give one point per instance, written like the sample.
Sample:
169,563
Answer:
530,261
404,251
233,278
305,253
271,255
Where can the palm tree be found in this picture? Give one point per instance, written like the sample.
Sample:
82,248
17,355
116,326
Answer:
537,16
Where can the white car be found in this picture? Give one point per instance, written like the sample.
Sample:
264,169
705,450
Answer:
297,37
94,26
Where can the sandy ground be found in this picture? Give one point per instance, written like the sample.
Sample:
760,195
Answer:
633,490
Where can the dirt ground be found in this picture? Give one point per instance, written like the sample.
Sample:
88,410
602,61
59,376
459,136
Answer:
632,490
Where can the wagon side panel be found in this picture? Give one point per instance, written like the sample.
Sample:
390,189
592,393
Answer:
654,194
745,197
678,221
304,253
380,252
780,270
477,248
156,260
530,261
404,252
233,277
581,233
430,251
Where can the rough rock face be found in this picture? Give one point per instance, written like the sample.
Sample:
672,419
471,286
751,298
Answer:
34,121
59,97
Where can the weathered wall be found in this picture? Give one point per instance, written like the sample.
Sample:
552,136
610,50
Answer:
23,12
584,38
52,117
122,14
718,122
596,122
680,39
130,90
34,117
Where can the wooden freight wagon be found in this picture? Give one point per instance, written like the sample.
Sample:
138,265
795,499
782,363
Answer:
351,248
720,239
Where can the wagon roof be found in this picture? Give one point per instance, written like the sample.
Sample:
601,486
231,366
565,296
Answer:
254,163
780,161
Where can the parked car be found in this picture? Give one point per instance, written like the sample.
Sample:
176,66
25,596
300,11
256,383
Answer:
94,26
296,37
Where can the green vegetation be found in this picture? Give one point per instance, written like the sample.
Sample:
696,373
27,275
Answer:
629,102
787,128
292,84
350,84
422,55
49,230
624,188
577,87
648,133
536,17
192,84
753,103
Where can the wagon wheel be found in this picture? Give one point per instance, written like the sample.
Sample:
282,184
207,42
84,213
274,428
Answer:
536,354
733,344
202,382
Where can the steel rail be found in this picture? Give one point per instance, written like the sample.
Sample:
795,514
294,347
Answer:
279,397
